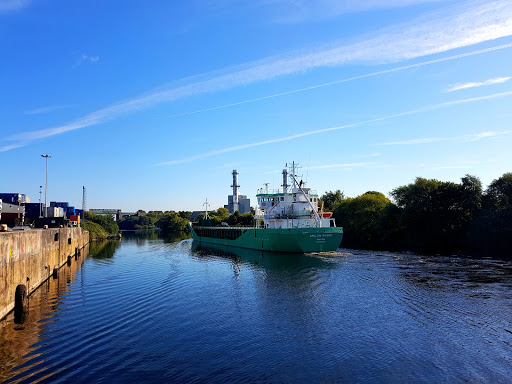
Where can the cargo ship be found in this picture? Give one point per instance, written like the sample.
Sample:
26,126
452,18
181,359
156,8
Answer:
286,220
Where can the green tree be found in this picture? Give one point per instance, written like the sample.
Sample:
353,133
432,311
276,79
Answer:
128,223
238,219
471,196
436,214
106,221
145,222
185,214
330,199
499,193
361,219
172,222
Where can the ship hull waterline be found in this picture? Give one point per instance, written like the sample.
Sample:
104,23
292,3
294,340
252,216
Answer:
294,240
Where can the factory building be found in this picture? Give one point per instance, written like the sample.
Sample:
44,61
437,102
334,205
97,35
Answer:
14,198
16,209
237,202
11,214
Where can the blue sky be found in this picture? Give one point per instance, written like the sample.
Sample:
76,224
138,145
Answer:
152,106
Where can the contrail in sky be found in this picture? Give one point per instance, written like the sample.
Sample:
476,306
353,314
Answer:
496,80
324,130
463,25
372,74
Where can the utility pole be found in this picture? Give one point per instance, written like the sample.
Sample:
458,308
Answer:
40,206
46,186
83,204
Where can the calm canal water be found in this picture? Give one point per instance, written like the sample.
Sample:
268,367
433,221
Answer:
145,310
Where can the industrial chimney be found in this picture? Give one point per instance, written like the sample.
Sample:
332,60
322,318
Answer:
235,190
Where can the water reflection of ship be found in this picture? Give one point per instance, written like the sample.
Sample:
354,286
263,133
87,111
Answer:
298,277
266,259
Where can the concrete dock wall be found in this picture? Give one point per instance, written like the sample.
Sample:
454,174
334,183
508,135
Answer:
29,258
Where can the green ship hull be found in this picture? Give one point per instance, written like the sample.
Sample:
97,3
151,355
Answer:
294,240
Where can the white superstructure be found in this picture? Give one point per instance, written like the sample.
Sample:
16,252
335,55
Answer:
291,206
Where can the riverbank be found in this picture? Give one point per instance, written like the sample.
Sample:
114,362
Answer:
28,258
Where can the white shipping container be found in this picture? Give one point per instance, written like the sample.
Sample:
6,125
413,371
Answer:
52,212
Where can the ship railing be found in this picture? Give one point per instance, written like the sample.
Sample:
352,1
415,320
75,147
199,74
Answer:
280,216
223,227
224,233
265,191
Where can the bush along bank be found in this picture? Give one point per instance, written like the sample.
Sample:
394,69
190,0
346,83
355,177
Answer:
430,216
100,227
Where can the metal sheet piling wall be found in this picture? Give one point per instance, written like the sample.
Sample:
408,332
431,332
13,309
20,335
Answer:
30,257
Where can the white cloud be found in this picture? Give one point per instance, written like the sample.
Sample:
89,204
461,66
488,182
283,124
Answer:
464,138
497,80
12,5
9,147
360,123
472,23
454,167
417,141
293,11
83,58
346,80
371,164
51,108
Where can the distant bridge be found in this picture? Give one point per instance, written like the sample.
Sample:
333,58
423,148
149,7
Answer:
115,213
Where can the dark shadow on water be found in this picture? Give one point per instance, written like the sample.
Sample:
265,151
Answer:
103,249
141,236
268,260
176,236
442,273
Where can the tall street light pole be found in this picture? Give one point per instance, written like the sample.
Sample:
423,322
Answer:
46,186
40,207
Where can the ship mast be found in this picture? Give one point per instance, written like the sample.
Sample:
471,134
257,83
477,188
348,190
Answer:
293,176
206,205
317,217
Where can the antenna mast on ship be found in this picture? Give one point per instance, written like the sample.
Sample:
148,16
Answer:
285,180
293,168
206,205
